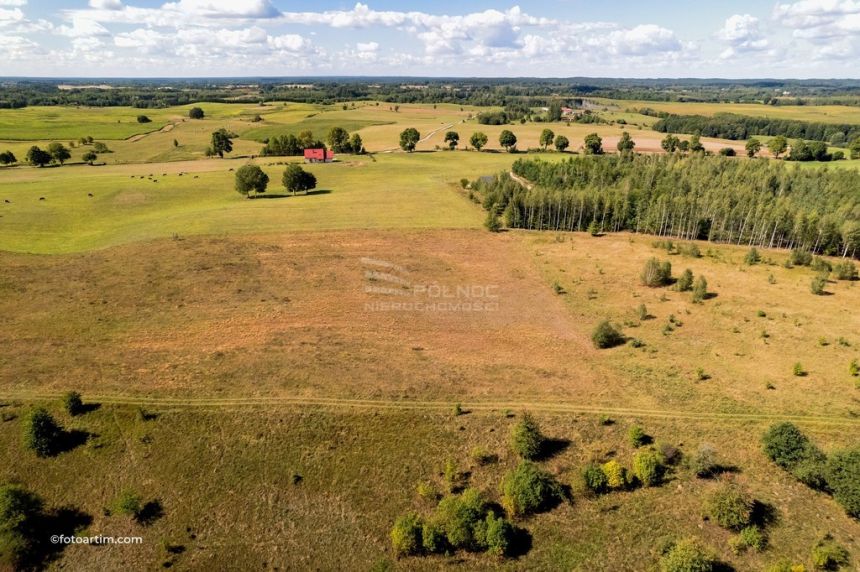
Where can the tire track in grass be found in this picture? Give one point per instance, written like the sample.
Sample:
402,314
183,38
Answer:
180,403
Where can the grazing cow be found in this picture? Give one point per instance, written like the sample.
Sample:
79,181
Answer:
89,194
41,198
8,201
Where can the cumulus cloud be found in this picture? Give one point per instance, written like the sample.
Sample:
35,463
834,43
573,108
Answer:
83,27
742,34
106,4
13,2
831,26
225,8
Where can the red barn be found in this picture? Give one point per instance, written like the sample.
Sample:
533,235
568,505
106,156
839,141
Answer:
318,156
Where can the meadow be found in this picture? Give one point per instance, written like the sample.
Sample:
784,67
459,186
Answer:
251,380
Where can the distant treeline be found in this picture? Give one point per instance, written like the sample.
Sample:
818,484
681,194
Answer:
739,127
760,203
499,92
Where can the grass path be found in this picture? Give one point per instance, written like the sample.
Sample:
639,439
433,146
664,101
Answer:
546,407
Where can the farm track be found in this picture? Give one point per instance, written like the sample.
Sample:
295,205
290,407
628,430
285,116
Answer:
179,403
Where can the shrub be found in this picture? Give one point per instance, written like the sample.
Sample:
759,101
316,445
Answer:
606,336
647,468
616,475
73,403
527,441
854,368
700,289
433,538
729,507
427,491
195,113
749,537
500,535
595,479
460,517
42,433
642,312
492,222
787,566
752,257
846,271
812,472
685,281
655,273
128,503
451,475
818,285
704,464
787,446
528,489
687,556
19,512
637,436
798,370
406,535
800,257
143,119
843,477
827,554
820,265
482,457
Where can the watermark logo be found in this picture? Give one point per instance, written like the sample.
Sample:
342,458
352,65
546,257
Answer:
394,290
96,540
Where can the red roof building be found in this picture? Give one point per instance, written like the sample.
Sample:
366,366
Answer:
318,156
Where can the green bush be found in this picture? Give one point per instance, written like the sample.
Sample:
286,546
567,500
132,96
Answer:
606,336
427,491
500,535
787,446
128,503
685,281
20,511
818,285
42,433
700,289
460,517
616,475
704,463
528,489
799,257
846,271
729,507
797,370
752,257
647,468
820,265
687,556
406,534
827,554
433,538
656,273
637,436
843,478
526,438
750,537
595,479
812,472
73,403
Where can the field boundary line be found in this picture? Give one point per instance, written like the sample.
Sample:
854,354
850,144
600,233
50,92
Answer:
335,402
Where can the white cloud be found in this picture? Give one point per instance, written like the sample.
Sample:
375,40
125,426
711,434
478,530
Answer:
225,8
106,4
367,47
831,26
742,34
82,28
13,2
9,17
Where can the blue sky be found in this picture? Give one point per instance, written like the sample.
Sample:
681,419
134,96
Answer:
560,38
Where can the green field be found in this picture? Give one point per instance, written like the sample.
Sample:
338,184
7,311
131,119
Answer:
248,383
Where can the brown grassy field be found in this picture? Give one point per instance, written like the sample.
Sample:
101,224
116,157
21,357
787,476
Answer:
280,374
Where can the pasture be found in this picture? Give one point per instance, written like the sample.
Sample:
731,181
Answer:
280,399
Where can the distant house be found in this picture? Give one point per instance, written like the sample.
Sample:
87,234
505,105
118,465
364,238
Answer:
565,111
318,156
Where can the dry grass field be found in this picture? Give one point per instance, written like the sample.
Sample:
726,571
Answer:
275,376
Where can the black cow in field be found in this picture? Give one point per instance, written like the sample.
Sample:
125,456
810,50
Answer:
7,201
41,198
89,195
